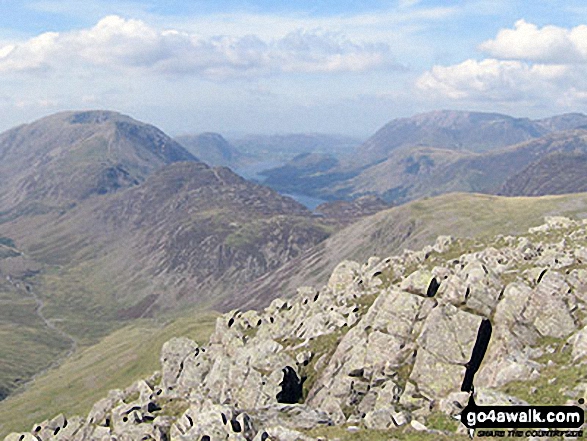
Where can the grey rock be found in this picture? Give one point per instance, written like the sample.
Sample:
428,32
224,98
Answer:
417,282
400,418
579,342
292,416
380,419
438,367
417,425
173,355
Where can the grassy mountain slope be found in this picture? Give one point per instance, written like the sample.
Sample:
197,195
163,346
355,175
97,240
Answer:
412,226
116,361
188,234
556,173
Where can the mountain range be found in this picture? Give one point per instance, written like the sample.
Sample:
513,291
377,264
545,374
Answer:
110,229
432,154
105,219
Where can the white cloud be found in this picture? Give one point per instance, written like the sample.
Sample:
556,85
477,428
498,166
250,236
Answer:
549,44
118,43
33,54
537,66
494,80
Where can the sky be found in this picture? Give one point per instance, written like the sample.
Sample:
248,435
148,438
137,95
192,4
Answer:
261,66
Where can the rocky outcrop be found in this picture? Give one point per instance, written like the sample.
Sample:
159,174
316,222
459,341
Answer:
381,347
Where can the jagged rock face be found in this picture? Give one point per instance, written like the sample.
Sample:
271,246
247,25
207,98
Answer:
382,346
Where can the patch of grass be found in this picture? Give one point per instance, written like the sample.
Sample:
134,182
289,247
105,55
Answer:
132,397
441,421
403,374
365,302
388,278
173,407
126,355
249,235
342,433
554,380
246,236
324,344
251,332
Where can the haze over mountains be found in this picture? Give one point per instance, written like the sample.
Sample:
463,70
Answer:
105,220
213,149
409,158
434,153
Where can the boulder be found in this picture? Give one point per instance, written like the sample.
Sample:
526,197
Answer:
173,355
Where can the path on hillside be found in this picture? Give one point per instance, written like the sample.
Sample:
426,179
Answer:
40,304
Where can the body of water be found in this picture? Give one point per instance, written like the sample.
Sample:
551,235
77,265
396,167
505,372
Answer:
310,202
251,172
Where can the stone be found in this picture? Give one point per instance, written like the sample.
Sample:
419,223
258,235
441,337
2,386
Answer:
379,419
292,416
344,274
278,433
438,367
400,418
173,354
417,282
417,425
443,243
579,342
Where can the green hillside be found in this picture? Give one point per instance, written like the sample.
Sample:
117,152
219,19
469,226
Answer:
116,361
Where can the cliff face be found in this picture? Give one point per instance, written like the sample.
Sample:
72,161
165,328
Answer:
378,352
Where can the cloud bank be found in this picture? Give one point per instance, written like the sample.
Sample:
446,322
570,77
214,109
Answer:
118,43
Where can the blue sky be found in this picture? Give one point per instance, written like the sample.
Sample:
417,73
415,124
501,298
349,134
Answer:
342,66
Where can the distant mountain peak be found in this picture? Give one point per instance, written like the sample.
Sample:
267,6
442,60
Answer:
85,117
212,148
69,156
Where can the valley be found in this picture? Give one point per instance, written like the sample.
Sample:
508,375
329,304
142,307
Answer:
290,221
117,236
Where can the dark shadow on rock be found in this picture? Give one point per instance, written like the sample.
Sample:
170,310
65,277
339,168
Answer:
291,387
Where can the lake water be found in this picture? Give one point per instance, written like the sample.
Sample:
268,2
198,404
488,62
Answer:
251,172
310,202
